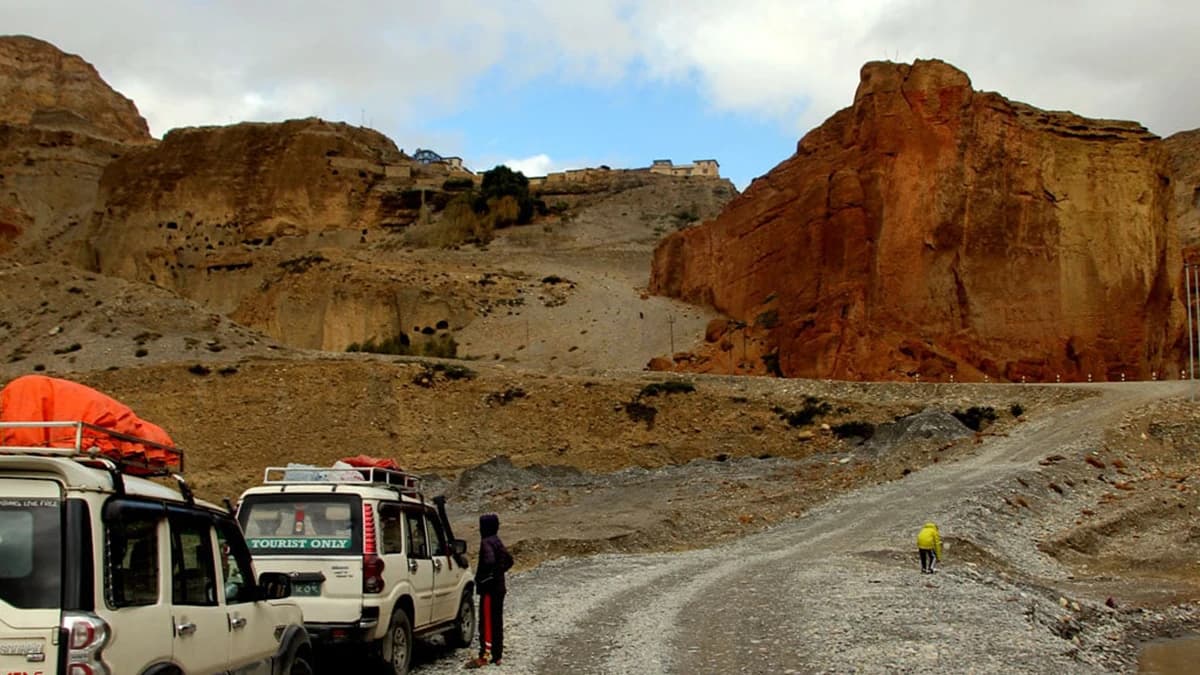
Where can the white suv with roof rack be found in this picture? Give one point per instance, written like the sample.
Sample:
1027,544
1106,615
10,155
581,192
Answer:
107,573
371,560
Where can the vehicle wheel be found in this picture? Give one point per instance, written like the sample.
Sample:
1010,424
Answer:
398,644
464,624
300,667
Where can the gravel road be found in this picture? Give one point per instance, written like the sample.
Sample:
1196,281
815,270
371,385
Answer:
837,590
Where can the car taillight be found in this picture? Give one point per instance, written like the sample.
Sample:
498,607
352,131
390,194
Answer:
372,563
85,636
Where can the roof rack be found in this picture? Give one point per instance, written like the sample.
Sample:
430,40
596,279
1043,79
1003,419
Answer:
81,445
402,481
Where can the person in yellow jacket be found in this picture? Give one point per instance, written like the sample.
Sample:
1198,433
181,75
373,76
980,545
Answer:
929,545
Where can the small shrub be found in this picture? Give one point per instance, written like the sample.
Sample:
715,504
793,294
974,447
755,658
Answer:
976,418
813,408
140,353
1017,410
667,387
640,412
454,372
73,347
199,370
863,430
505,397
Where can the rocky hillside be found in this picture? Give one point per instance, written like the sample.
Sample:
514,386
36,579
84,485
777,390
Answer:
60,125
931,229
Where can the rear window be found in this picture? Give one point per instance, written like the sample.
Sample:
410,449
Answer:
31,552
287,525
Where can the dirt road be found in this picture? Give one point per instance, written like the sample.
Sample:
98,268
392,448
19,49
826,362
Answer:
839,590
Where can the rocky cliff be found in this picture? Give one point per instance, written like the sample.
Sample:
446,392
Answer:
931,229
43,86
1184,151
60,125
259,222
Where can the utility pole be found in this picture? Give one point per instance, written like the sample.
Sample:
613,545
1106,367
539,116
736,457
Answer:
671,328
1187,284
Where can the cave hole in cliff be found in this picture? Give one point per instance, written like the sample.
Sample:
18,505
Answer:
1196,197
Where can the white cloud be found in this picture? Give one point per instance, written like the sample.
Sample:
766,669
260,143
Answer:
537,165
791,61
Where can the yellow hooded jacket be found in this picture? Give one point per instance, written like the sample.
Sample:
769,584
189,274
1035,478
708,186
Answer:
929,538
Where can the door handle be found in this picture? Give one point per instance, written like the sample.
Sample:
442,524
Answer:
237,623
437,565
185,628
412,565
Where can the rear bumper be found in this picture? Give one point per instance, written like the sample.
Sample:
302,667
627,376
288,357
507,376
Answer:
334,634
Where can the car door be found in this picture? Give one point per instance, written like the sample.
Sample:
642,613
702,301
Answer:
252,643
420,565
201,640
445,576
136,555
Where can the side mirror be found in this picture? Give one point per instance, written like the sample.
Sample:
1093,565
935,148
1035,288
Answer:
274,586
460,547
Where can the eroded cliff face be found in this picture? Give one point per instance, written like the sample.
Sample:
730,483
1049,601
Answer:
46,87
261,222
60,125
931,229
1183,149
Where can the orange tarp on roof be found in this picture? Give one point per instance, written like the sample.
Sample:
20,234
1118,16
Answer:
37,398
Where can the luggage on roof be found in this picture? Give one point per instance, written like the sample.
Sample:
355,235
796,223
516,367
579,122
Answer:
109,428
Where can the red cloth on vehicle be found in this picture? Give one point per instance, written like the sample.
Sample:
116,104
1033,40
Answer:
367,462
37,398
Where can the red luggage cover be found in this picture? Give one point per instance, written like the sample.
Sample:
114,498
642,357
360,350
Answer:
367,462
37,398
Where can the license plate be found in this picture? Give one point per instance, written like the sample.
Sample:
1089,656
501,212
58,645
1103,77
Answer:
309,588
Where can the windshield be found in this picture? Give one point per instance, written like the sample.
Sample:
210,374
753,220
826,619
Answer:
308,525
30,552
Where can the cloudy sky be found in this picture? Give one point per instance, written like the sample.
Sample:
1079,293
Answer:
551,84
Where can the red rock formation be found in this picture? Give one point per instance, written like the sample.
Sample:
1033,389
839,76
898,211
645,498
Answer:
1184,150
933,229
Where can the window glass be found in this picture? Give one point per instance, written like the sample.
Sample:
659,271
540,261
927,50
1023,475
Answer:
193,577
393,528
435,533
30,552
312,526
236,571
418,547
131,560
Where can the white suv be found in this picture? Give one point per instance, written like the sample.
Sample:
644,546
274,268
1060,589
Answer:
105,573
371,561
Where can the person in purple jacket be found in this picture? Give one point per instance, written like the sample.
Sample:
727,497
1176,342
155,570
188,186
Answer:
494,561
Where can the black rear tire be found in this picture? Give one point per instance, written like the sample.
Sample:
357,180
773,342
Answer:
463,632
398,644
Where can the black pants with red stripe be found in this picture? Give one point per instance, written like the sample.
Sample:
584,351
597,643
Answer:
491,625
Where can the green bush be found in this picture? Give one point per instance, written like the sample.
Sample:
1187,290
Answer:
1017,410
503,182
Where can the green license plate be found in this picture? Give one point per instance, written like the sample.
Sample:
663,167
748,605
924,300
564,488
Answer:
308,588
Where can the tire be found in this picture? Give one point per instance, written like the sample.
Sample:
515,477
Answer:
463,632
300,666
398,644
